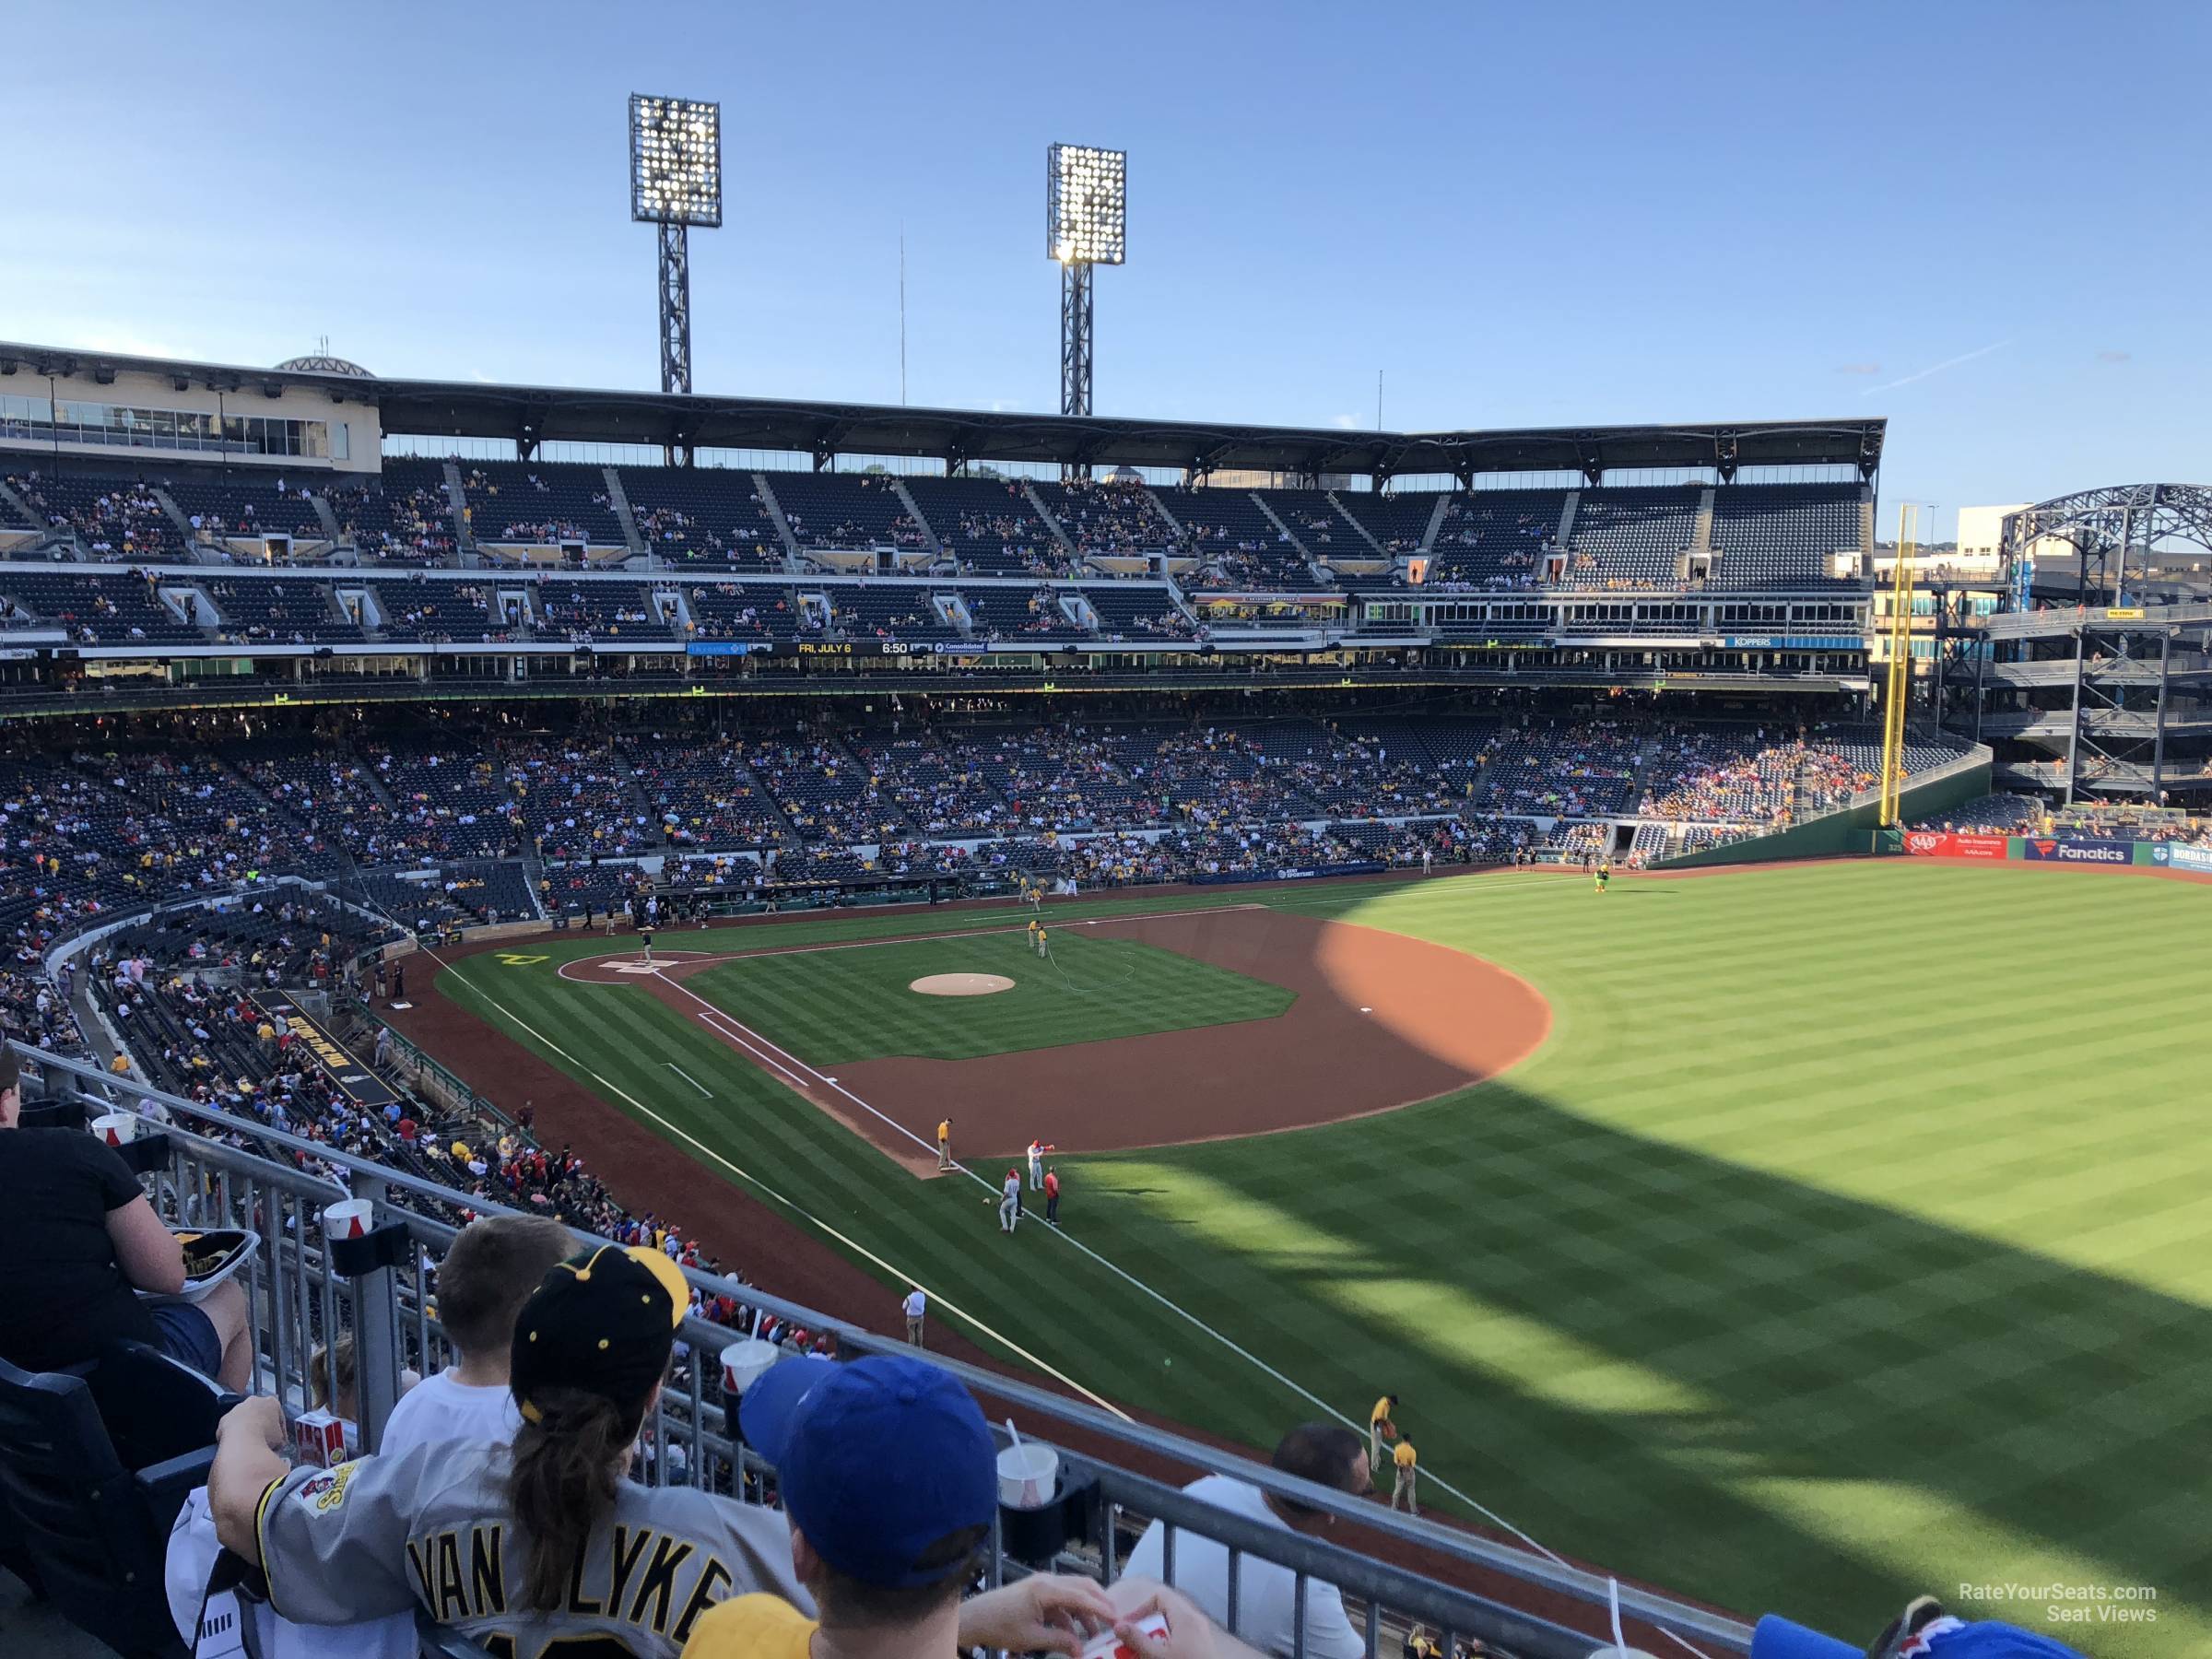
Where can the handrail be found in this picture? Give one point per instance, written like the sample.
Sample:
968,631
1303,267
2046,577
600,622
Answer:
690,1412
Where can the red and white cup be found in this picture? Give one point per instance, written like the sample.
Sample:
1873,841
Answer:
1152,1627
115,1127
744,1363
1029,1475
318,1438
348,1219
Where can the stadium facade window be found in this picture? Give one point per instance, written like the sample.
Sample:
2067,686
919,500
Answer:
127,427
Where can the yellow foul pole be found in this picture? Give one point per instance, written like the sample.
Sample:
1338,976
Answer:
1899,684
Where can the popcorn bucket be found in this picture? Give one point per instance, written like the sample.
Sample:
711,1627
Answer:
115,1127
349,1219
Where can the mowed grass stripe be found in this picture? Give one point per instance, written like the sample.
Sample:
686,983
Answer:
1843,1239
833,1006
944,1231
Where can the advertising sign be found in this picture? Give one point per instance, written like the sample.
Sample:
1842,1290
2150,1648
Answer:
2044,849
2177,856
1932,843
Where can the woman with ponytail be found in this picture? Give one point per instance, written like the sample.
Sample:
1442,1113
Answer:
547,1541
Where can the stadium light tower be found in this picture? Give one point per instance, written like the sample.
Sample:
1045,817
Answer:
675,182
1085,195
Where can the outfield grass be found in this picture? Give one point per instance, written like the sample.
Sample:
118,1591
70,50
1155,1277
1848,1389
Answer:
831,1007
1850,1235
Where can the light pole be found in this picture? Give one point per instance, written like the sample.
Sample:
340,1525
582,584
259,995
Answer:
1086,199
675,182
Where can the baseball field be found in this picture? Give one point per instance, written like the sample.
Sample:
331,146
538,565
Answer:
1793,1238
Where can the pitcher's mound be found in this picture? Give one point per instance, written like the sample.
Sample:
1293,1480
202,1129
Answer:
961,984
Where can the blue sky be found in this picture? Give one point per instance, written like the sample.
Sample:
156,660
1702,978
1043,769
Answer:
1952,214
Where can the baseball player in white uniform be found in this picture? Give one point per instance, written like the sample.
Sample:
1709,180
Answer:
1009,1201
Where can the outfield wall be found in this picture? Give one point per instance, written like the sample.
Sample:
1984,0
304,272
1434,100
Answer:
1851,829
2059,849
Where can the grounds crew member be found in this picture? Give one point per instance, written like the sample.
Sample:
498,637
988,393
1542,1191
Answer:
1040,940
944,1143
1380,1427
1402,1456
515,1545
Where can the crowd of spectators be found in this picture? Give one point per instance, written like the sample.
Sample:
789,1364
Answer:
113,521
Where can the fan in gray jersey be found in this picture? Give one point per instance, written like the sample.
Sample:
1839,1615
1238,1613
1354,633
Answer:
521,1549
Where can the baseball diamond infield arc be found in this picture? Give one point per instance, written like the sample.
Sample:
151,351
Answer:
1381,1020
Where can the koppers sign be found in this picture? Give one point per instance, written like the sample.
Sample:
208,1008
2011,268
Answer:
2044,849
1932,843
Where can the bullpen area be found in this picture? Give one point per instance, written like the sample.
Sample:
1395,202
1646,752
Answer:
1830,1226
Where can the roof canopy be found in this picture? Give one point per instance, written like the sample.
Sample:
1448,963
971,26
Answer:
530,415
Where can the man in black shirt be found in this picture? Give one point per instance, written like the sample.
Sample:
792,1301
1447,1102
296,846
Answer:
76,1238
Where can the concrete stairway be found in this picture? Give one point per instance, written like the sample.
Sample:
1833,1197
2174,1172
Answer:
1436,523
192,548
1060,534
325,515
456,504
1358,529
633,537
1701,539
929,531
1321,573
793,559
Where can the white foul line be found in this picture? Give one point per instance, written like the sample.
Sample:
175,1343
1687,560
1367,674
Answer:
853,1244
687,1076
764,1050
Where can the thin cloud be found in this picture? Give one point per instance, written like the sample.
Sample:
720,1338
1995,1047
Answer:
1858,368
2114,356
1920,374
1349,423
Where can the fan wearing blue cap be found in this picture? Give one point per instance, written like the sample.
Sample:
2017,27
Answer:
888,1475
1923,1630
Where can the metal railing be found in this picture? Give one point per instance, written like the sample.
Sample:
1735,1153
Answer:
222,1170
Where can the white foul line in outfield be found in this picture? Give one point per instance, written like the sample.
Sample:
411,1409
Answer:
853,1244
687,1076
764,1050
861,1250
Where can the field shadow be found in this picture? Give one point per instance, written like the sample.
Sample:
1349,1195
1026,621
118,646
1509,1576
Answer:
1776,1354
1379,1021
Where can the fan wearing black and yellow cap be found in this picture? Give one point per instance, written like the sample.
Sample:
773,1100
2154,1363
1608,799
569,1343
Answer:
551,1541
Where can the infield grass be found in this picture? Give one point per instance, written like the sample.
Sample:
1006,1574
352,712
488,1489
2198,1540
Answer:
1850,1235
832,1006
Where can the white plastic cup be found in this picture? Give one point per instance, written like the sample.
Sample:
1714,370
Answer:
744,1363
115,1127
348,1219
1029,1475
